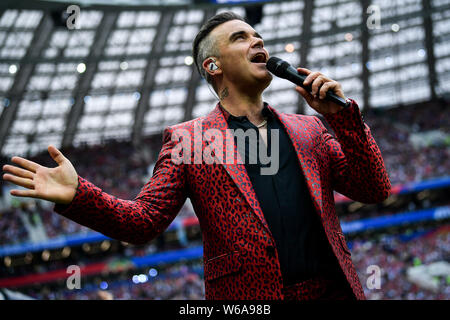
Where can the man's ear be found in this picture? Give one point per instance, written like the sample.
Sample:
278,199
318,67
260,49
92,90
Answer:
212,66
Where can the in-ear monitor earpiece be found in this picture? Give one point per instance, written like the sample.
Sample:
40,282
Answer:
213,66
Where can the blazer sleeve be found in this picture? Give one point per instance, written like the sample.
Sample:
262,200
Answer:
357,167
135,221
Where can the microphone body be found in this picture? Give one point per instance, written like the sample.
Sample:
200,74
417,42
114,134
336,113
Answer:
284,70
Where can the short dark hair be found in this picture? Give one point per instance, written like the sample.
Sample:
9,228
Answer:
205,30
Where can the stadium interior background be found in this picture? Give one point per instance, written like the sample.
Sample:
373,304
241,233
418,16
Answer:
103,86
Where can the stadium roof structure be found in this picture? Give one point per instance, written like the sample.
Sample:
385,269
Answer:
126,71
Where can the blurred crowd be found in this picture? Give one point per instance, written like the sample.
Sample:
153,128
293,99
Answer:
121,169
175,282
33,221
116,167
415,144
414,140
393,255
396,258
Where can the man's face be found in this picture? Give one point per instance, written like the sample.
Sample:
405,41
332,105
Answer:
242,54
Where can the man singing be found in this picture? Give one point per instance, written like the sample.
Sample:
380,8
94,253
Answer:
265,236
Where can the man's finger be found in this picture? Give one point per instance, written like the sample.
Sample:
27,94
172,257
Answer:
23,193
303,70
18,171
305,94
56,155
332,86
316,85
327,86
27,164
324,89
23,182
310,78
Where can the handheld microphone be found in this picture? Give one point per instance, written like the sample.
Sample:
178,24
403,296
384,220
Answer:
284,70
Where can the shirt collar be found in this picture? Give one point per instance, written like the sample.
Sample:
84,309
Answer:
266,112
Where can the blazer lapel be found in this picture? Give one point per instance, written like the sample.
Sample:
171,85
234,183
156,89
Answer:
304,146
236,169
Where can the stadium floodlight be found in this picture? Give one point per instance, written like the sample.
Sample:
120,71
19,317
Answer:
124,65
143,278
395,27
188,60
289,48
12,69
103,285
7,261
81,68
153,272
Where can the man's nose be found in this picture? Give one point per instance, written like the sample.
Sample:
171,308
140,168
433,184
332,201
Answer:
257,43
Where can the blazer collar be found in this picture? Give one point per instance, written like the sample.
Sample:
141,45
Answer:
300,133
216,119
303,145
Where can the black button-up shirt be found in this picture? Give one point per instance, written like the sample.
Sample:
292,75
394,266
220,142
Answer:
303,249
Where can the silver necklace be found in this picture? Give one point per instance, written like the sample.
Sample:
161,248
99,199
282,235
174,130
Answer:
262,124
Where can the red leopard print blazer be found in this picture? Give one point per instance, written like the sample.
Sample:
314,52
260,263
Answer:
240,256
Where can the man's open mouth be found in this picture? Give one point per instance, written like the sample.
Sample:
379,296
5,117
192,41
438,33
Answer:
259,58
